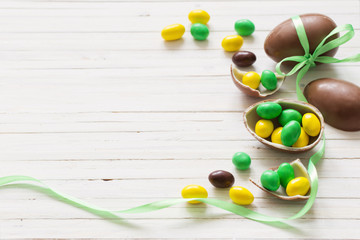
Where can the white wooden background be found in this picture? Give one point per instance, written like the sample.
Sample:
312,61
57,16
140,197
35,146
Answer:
96,104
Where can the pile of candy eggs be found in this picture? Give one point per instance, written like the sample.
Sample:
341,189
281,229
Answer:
285,124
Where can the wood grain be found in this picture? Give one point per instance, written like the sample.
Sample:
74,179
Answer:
96,104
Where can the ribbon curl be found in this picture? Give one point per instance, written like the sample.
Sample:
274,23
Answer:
308,60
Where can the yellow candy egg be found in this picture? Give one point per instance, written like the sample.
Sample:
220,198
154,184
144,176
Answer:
251,79
173,32
241,195
232,43
264,128
303,139
199,16
194,191
311,124
276,135
298,186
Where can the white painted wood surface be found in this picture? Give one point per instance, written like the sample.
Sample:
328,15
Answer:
89,92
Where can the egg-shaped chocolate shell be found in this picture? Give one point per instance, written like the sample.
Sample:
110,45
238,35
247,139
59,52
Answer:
283,40
337,100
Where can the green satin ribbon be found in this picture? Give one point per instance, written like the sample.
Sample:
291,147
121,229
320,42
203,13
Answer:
227,206
308,60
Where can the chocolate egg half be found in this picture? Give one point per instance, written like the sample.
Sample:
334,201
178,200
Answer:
283,40
251,118
337,100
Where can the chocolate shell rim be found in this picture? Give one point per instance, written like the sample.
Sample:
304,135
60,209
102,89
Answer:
254,92
284,197
280,146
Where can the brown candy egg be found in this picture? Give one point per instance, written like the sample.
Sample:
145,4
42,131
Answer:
283,40
221,179
338,101
243,58
251,117
237,76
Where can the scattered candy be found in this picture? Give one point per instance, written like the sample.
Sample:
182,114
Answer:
298,186
303,139
221,179
243,58
241,195
286,174
244,27
269,110
241,160
268,80
173,32
199,16
276,135
232,43
311,124
290,133
199,31
194,191
289,114
270,180
264,128
251,79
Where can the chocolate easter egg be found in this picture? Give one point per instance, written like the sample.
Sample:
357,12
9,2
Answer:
337,100
283,40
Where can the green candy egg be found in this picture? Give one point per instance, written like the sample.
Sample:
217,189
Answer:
241,160
199,31
286,174
268,80
244,27
289,114
269,110
290,133
270,180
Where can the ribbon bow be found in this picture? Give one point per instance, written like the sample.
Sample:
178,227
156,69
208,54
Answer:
308,60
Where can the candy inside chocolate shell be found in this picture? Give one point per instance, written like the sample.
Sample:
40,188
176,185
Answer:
237,76
251,117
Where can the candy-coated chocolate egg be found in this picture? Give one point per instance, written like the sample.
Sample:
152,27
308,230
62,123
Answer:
264,128
298,186
303,139
268,80
289,114
251,79
194,191
232,43
243,58
286,174
199,16
269,110
199,31
276,135
290,133
173,32
311,124
241,160
244,27
270,180
221,179
241,195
